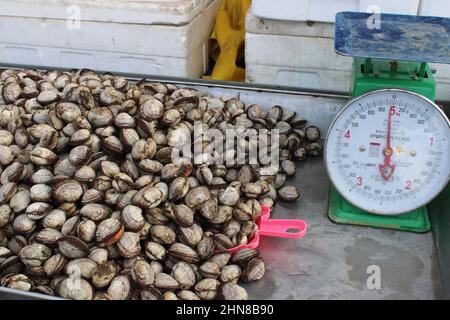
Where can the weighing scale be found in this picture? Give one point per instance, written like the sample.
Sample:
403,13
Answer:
387,152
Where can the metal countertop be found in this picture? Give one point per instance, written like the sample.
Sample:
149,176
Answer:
331,261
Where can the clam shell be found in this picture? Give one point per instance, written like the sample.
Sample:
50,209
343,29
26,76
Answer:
210,269
254,270
230,273
288,193
182,252
75,288
83,267
95,211
155,251
183,215
183,273
187,295
34,255
164,281
244,255
120,288
48,236
222,241
207,289
129,245
151,294
72,247
68,191
104,273
7,191
55,265
197,196
232,291
191,235
132,218
142,273
163,234
206,247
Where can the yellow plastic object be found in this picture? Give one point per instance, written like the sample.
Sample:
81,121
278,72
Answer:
227,40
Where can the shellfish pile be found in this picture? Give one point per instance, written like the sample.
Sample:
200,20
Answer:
93,204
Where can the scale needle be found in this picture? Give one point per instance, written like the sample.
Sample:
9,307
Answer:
387,169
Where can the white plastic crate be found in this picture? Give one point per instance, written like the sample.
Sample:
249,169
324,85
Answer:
325,10
134,36
301,54
294,53
437,8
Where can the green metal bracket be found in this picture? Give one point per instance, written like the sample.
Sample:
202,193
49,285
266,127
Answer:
341,211
367,66
422,70
371,74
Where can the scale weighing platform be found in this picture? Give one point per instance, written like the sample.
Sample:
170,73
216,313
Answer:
387,152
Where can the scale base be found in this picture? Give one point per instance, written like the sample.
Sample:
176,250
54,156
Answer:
341,211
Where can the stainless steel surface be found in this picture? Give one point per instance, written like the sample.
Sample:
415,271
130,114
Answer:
208,83
13,294
331,261
440,218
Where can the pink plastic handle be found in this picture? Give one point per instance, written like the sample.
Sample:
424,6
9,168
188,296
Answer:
265,212
279,228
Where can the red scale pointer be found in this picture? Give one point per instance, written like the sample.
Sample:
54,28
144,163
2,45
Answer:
387,169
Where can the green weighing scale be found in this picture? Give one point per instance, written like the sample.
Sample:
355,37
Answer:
387,152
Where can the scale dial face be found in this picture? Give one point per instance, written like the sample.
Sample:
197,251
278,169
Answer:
388,151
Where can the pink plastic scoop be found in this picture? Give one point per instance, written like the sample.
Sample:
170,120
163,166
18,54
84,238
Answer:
273,228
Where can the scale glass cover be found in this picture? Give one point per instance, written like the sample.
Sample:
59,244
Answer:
388,151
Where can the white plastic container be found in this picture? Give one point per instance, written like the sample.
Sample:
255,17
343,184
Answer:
294,53
134,36
325,10
301,54
437,8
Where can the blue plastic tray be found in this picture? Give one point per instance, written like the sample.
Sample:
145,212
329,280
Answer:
400,37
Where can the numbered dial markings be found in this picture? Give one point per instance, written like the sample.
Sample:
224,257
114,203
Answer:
388,151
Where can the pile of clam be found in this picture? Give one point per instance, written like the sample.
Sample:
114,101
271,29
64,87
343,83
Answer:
93,207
